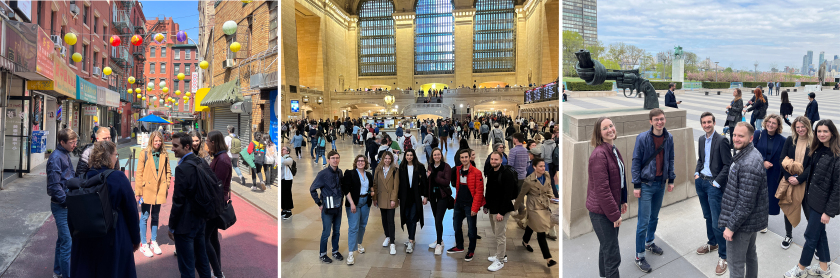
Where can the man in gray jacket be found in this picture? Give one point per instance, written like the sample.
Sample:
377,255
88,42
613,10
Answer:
744,210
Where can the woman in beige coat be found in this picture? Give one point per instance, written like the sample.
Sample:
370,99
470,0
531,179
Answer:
537,187
151,185
385,192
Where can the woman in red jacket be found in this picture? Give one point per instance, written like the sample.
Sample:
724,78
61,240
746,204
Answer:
606,195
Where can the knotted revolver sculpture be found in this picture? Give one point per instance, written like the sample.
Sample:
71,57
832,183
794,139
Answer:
594,73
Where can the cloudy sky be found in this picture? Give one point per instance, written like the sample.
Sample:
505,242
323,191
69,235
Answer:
735,33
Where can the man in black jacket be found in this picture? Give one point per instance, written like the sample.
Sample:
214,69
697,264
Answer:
670,98
499,192
744,209
710,177
812,110
185,228
329,182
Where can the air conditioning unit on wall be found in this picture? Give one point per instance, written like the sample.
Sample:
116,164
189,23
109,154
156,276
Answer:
229,63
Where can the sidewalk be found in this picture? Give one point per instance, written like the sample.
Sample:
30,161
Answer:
249,248
681,231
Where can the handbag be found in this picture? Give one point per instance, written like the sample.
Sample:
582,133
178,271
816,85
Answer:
228,216
331,202
450,203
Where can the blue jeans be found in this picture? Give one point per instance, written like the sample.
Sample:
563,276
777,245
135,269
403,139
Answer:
312,147
147,210
649,205
460,212
333,144
815,240
356,223
192,253
710,199
330,222
320,154
61,265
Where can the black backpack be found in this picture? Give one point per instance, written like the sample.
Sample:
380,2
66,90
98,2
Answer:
293,168
434,141
89,210
507,169
209,195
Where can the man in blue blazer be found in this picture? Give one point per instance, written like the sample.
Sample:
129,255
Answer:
670,99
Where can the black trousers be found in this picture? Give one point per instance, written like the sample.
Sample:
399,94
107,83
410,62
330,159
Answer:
540,239
297,151
609,257
286,202
388,222
214,249
438,211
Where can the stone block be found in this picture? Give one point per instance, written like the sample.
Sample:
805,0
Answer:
629,123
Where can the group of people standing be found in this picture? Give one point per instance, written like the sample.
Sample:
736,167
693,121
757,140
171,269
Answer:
799,173
196,237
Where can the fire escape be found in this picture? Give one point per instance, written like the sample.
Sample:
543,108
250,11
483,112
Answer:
121,19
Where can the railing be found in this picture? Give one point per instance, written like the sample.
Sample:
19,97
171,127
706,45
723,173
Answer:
120,55
439,109
121,20
416,93
310,91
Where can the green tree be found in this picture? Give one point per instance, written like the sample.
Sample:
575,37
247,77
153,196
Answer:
728,69
572,42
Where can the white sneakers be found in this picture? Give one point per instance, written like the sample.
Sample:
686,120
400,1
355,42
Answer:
386,242
361,249
496,266
409,247
156,248
815,270
145,250
493,259
438,249
350,259
432,245
393,249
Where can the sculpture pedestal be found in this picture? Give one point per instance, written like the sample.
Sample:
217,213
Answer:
678,70
629,122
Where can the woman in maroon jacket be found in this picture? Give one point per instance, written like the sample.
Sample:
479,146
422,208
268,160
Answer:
222,168
439,175
606,195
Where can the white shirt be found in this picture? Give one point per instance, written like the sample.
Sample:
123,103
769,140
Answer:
227,142
385,171
410,175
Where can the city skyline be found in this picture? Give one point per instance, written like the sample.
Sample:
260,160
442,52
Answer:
736,34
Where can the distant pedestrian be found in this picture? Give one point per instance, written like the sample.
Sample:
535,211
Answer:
758,107
786,109
286,179
734,112
670,98
235,147
770,86
812,110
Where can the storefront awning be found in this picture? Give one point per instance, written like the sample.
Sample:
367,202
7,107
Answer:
63,83
30,48
223,95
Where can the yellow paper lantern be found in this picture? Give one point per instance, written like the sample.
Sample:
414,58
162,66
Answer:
181,76
235,46
144,98
107,71
203,65
129,91
187,94
165,89
186,98
76,57
70,38
178,92
137,90
139,95
131,80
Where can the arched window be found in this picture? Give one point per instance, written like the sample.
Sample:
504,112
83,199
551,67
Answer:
494,40
434,50
376,38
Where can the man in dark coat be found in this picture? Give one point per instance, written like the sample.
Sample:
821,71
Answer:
744,209
710,178
185,228
413,196
499,193
670,98
812,110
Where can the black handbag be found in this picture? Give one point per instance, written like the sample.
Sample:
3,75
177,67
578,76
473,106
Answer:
228,216
450,203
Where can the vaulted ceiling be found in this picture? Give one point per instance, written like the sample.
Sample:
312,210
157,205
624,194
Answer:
352,6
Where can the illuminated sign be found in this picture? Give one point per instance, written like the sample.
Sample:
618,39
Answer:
295,106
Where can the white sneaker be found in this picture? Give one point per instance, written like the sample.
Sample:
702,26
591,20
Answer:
432,245
145,250
763,231
253,188
361,249
409,248
350,259
496,266
815,270
156,248
439,249
493,259
386,242
795,272
393,249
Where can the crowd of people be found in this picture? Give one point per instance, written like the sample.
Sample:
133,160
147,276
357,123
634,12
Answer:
767,174
390,174
196,234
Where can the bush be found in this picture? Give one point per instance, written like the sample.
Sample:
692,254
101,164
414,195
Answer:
581,86
808,83
663,85
715,85
787,84
752,85
829,84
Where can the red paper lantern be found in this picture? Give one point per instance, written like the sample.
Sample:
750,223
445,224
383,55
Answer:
115,40
136,40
